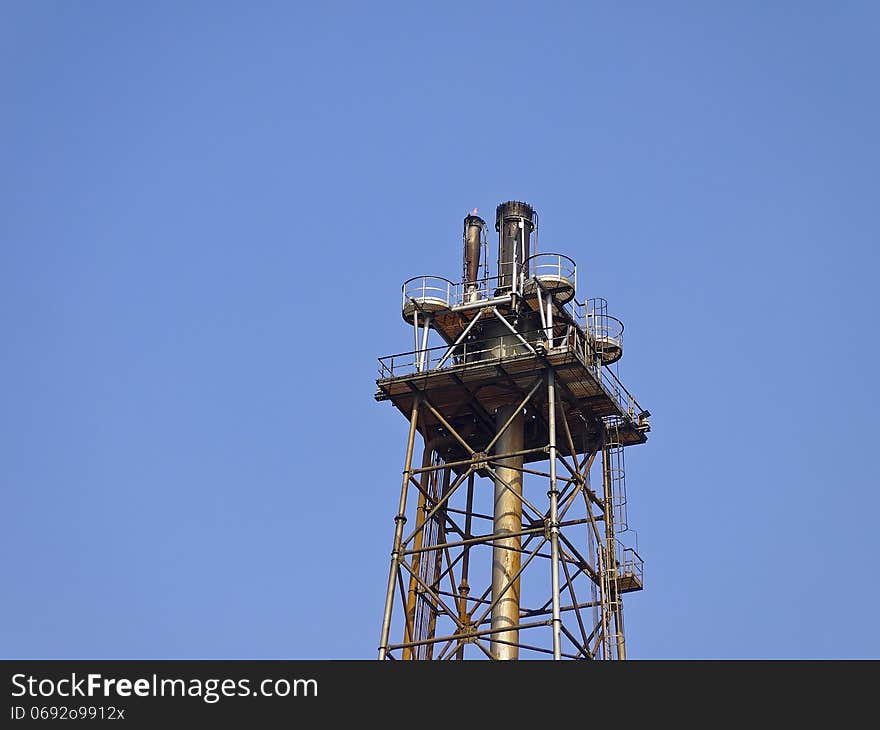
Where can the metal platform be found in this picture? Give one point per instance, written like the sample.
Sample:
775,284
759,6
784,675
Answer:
630,570
468,393
628,583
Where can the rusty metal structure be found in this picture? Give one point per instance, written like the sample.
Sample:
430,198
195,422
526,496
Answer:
511,537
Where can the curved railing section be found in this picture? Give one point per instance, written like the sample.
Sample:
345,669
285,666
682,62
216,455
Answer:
551,267
427,293
605,331
554,271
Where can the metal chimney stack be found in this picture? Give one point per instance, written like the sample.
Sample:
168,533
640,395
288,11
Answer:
514,221
473,244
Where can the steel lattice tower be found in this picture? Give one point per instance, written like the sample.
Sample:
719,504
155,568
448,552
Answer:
503,548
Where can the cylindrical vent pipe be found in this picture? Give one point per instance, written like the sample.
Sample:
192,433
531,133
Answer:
514,221
507,524
473,230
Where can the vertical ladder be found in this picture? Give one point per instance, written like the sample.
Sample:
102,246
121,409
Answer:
617,467
614,487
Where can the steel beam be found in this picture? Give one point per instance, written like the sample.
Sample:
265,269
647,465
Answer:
399,522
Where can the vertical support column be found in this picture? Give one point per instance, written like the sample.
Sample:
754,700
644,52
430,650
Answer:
608,567
505,551
416,342
553,526
412,594
621,637
399,522
423,350
464,588
437,567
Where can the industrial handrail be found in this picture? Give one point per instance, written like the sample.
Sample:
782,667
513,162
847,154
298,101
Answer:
630,563
592,316
551,264
605,327
438,288
422,288
609,381
485,288
452,294
469,352
623,397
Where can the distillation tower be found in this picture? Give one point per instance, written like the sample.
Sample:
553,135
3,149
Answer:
511,538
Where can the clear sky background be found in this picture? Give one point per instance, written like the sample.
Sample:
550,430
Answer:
206,213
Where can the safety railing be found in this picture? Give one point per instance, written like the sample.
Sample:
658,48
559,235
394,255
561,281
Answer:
616,390
554,267
432,291
505,346
630,565
428,289
605,328
601,325
585,352
482,290
467,352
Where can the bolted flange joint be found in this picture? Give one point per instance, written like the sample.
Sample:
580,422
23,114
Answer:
468,632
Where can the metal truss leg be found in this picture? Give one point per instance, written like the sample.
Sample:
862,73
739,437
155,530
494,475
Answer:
399,521
412,595
553,523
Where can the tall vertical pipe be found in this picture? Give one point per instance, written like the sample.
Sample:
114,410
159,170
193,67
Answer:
473,231
507,518
514,222
618,620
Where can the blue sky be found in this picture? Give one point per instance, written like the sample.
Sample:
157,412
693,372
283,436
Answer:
206,213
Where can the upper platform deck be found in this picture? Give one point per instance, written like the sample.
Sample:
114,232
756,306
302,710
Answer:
467,382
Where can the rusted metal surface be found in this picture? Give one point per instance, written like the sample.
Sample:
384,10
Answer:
473,229
515,222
